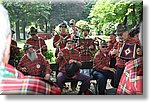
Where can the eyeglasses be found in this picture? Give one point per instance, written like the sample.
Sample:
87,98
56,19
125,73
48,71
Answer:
104,46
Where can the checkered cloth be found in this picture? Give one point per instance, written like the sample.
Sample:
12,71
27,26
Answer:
85,53
61,44
131,82
110,44
37,44
67,55
100,61
14,82
31,66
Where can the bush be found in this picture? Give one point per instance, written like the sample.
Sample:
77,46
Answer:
49,55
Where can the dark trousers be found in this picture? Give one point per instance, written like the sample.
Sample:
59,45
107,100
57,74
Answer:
12,62
62,77
118,75
112,62
102,80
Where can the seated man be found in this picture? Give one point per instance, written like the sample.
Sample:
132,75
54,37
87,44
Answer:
101,69
11,80
34,64
67,58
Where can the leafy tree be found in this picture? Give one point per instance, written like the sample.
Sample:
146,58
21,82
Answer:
107,12
23,14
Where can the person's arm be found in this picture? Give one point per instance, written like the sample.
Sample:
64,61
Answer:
21,66
60,57
46,69
57,40
109,69
97,63
44,46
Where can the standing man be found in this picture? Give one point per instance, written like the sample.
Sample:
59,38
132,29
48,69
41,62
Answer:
68,56
34,64
86,49
59,41
13,81
101,69
37,42
110,45
74,30
123,34
112,41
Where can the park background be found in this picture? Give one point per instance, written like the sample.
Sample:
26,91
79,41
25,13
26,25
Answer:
100,16
143,98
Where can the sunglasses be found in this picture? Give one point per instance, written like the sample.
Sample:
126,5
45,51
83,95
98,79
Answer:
71,23
104,46
63,27
119,34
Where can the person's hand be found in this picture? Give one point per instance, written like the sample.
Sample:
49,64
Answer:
61,38
71,61
60,54
112,70
47,77
114,52
44,47
82,47
74,76
24,69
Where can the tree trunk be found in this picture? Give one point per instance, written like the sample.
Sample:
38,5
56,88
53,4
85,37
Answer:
23,28
17,30
45,26
133,16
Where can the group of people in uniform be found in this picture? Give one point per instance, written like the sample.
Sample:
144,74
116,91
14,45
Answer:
109,58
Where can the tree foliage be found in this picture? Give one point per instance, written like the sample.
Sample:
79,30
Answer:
26,14
106,13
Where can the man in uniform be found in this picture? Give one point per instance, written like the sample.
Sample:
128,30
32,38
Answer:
37,42
123,34
110,45
59,40
101,69
74,30
70,56
86,49
34,64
